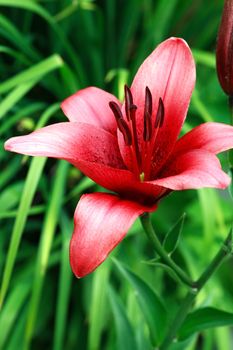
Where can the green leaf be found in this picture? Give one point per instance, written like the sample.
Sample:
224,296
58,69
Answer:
204,318
31,183
171,239
124,330
151,305
12,309
46,239
98,303
10,196
204,57
64,287
35,72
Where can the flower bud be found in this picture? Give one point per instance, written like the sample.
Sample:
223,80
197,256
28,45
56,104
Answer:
224,52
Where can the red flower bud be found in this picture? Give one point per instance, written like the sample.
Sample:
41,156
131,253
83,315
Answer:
224,53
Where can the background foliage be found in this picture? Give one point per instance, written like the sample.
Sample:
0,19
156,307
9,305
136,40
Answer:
48,50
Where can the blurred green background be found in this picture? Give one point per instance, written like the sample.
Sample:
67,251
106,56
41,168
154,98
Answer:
48,50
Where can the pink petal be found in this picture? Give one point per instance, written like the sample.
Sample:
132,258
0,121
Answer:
169,72
212,137
91,106
101,221
92,150
74,142
123,182
194,169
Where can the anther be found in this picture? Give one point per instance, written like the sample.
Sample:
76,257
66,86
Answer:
121,123
159,119
148,101
128,101
147,132
116,110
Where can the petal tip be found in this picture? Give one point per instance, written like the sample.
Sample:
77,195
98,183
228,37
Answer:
8,145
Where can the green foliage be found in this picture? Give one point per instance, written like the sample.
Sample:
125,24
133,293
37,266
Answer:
48,50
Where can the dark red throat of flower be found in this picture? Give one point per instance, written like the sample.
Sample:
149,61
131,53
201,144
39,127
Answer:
142,153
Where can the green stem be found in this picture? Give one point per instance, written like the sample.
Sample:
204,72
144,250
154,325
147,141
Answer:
148,228
224,252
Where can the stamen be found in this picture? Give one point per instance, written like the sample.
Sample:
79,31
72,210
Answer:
116,110
148,101
124,129
147,132
121,123
159,119
128,101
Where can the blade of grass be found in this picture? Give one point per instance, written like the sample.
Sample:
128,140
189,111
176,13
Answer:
39,10
31,183
200,107
18,56
11,310
64,287
98,305
23,112
14,96
48,231
35,72
9,31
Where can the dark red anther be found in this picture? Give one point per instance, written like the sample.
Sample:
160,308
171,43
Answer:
116,110
147,132
159,119
128,101
121,123
148,102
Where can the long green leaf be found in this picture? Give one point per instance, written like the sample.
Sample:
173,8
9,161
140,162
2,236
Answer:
98,304
35,72
50,223
205,318
125,333
64,287
151,305
31,183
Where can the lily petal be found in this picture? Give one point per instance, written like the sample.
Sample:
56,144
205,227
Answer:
101,221
74,142
91,106
212,137
194,169
169,73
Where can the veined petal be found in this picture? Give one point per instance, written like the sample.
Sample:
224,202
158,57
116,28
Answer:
92,150
123,182
74,142
194,169
169,73
91,106
212,137
101,221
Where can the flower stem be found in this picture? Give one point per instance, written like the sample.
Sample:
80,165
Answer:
148,228
225,250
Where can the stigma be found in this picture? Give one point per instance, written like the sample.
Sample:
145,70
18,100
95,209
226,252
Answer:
142,153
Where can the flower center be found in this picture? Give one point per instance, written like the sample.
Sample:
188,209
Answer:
142,154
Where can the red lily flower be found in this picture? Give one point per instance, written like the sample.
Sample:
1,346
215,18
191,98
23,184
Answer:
131,149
